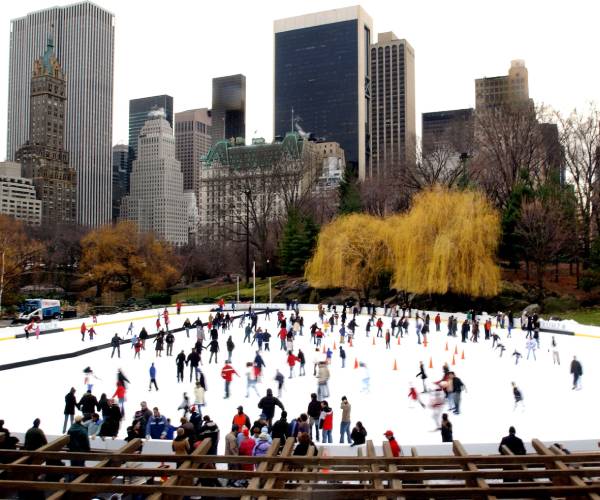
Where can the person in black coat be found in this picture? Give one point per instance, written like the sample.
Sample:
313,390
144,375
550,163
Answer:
180,362
70,405
193,360
88,405
314,413
78,440
143,336
577,372
210,430
512,442
446,429
110,426
213,347
280,429
358,434
35,437
268,404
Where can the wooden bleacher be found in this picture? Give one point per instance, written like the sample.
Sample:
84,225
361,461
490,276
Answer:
547,473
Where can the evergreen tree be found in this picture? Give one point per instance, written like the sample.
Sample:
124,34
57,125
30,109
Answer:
297,242
348,191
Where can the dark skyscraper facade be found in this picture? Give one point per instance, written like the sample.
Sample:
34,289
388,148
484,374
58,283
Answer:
120,164
322,83
138,115
228,107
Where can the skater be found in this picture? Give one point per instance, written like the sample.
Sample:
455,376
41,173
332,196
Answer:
170,340
251,379
91,333
464,331
120,395
302,360
495,339
152,373
436,402
143,337
180,362
267,404
501,348
187,325
159,341
555,355
230,348
421,373
193,360
279,378
455,394
130,328
259,364
116,345
345,422
70,405
518,395
510,323
227,373
446,429
577,372
323,380
517,356
87,380
438,322
343,356
83,329
185,405
200,391
291,361
214,351
414,396
379,326
387,339
531,347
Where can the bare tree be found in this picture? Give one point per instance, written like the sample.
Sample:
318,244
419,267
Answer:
580,139
543,234
508,142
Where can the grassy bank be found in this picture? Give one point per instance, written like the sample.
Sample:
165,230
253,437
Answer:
228,291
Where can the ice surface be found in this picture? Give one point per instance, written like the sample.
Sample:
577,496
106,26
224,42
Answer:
552,410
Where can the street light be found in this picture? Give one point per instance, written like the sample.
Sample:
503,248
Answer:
269,273
247,192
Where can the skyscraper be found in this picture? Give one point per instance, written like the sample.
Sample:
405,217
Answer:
43,156
393,125
17,195
511,89
156,200
451,130
120,186
138,115
192,142
228,107
84,43
322,79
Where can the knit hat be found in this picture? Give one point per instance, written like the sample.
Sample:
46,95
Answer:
388,434
246,432
263,436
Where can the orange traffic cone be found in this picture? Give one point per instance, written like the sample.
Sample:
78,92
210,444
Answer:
395,365
424,341
324,351
325,471
446,346
398,340
462,356
350,341
456,350
373,340
334,346
453,361
430,363
355,363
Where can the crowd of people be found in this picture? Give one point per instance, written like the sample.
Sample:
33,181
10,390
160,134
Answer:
103,417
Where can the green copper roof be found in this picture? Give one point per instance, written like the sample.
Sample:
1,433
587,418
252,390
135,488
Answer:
46,62
254,155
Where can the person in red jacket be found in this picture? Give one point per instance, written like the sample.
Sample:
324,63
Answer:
283,338
178,306
227,373
326,422
437,321
83,330
379,326
246,448
291,361
395,447
120,395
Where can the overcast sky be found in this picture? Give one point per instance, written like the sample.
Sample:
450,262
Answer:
177,46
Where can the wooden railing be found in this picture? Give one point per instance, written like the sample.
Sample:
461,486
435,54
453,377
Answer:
549,473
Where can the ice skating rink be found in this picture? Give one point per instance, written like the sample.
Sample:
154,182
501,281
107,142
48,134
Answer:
552,410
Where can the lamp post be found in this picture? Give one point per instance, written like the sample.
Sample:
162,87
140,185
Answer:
269,274
247,193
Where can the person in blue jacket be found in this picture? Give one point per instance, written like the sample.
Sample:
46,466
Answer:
157,425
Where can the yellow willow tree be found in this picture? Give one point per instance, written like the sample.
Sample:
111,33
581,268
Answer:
352,251
447,242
